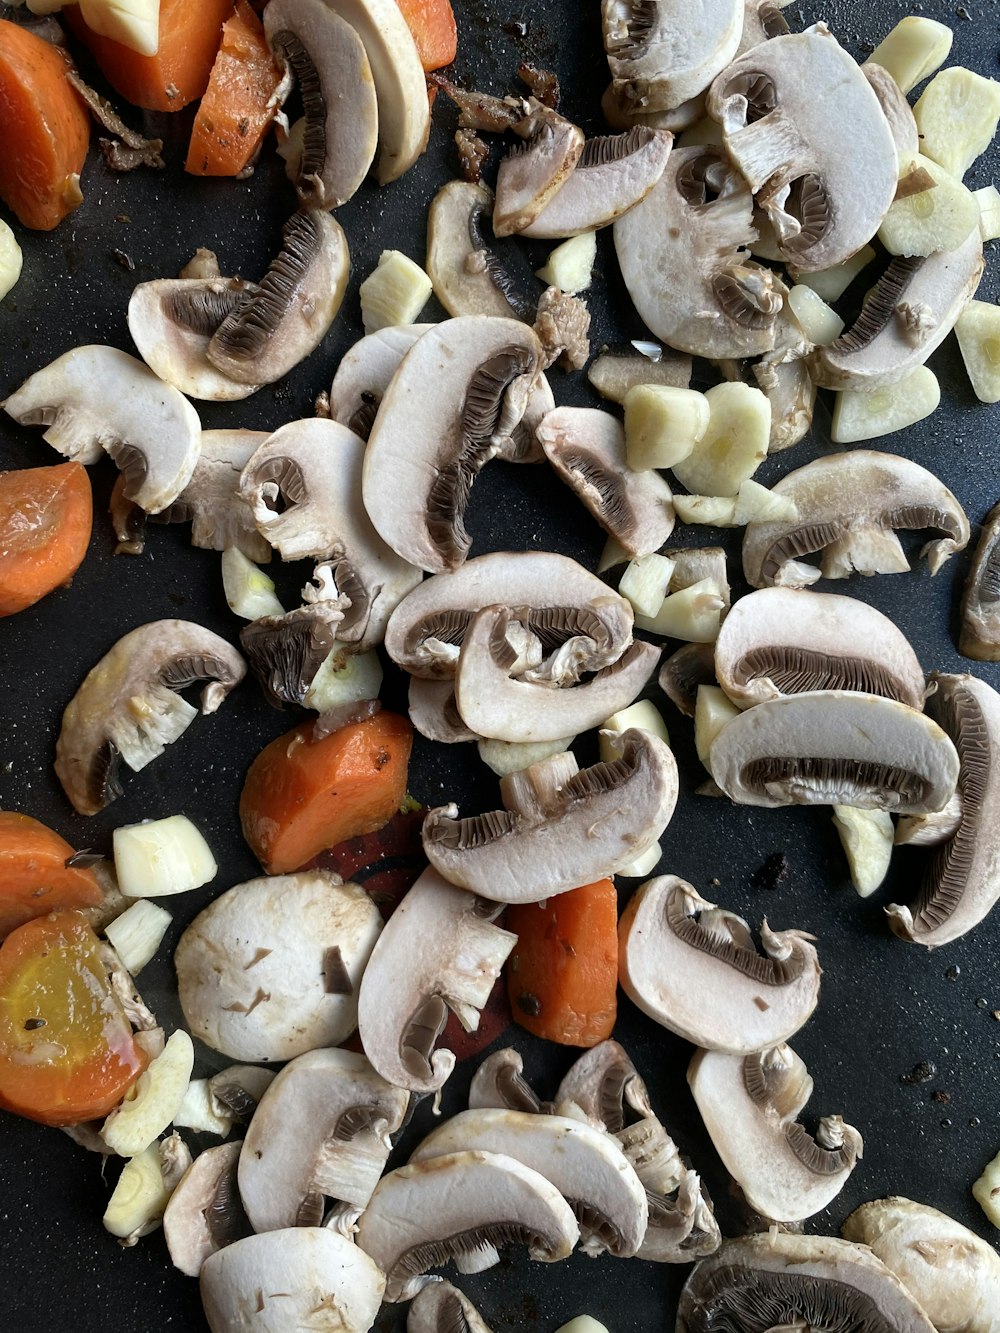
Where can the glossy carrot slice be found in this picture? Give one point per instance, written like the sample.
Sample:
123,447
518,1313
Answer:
432,23
34,876
46,515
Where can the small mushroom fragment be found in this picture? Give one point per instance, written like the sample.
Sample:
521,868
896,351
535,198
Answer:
364,374
406,994
423,1214
749,1105
762,20
600,1083
848,508
683,672
614,373
561,827
929,830
211,501
434,712
695,968
499,1084
897,111
441,1308
788,640
205,1213
533,173
662,54
286,651
834,747
468,277
979,637
129,706
236,1091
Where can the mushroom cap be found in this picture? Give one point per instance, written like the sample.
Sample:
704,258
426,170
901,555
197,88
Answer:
434,712
600,1082
979,637
534,172
836,747
251,967
204,1213
458,264
441,1308
664,54
211,501
365,371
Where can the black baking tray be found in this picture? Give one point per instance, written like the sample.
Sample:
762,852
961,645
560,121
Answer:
886,1007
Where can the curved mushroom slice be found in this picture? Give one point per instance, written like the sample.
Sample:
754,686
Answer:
321,1132
204,1214
304,1277
586,446
364,374
288,315
779,641
848,507
534,172
585,1165
499,1084
97,398
458,395
783,107
600,1083
405,995
833,747
684,255
468,278
426,1213
285,652
776,1280
979,637
897,111
662,53
749,1105
330,66
211,501
762,20
441,1308
434,712
561,828
683,672
129,708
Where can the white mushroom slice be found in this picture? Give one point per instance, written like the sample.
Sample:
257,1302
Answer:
321,1131
364,374
534,172
979,637
783,107
205,1213
613,373
406,994
499,1084
97,397
211,501
457,397
129,706
434,711
468,279
832,747
896,110
749,1105
441,1308
786,640
600,1083
664,53
271,968
561,828
849,506
302,1278
929,830
695,968
426,1213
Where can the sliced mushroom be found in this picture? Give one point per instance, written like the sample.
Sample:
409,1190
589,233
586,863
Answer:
285,652
499,1084
762,20
601,1082
664,53
426,1213
787,640
458,395
897,111
129,706
783,107
441,1308
97,398
561,827
833,747
434,712
695,968
929,830
204,1213
364,374
613,373
235,1092
468,278
534,172
749,1105
684,671
979,637
849,506
211,501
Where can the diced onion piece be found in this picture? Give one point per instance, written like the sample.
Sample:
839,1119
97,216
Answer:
818,321
137,1204
866,416
153,1102
712,710
694,614
643,715
249,591
344,677
978,332
866,836
662,424
197,1111
10,259
645,583
136,934
570,266
161,857
393,293
913,50
514,756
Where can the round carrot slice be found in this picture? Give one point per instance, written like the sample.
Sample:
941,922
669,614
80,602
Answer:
46,514
34,876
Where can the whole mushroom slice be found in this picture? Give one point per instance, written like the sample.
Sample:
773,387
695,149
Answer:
499,1084
364,373
129,706
321,1131
294,305
272,967
534,171
441,1308
586,447
836,747
780,1280
749,1104
204,1214
468,277
211,501
406,993
457,397
780,641
849,506
302,1278
695,968
662,53
97,398
803,126
979,637
434,712
423,1214
561,827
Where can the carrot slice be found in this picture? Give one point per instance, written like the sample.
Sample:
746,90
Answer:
432,23
45,130
234,113
302,796
46,514
34,876
562,977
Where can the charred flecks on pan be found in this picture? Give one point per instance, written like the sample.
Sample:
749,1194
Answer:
744,958
841,779
879,305
794,669
310,86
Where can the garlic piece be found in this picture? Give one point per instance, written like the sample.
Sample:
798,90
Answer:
643,715
161,857
613,554
570,266
957,116
139,1198
10,259
642,865
756,504
719,511
978,333
988,199
866,416
514,756
734,444
867,838
134,23
393,293
913,50
645,583
153,1101
712,710
663,424
197,1110
940,218
694,614
986,1191
344,677
249,591
136,934
831,283
818,321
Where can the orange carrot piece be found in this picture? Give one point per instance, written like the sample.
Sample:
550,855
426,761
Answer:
432,23
562,977
45,129
234,113
302,796
34,876
46,514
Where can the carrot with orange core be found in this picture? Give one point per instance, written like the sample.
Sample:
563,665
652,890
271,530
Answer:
46,516
302,795
432,24
34,876
562,977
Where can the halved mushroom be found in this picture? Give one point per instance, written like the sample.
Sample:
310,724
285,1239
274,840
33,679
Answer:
426,1213
534,172
285,652
441,1308
834,747
129,706
204,1213
849,506
979,637
684,671
458,395
321,1132
499,1084
364,373
406,994
783,107
749,1104
662,54
434,712
468,278
787,640
211,501
561,827
97,398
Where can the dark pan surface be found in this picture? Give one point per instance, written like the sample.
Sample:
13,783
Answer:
885,1006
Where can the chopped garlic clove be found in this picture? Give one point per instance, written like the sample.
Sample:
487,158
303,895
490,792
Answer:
613,554
831,283
719,511
136,934
940,218
734,444
583,1323
134,23
694,614
643,715
662,424
344,677
957,116
10,259
249,592
514,756
570,266
645,583
866,416
153,1101
393,293
818,321
643,865
161,857
712,710
867,838
986,1191
978,333
139,1199
988,199
756,504
197,1111
913,50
